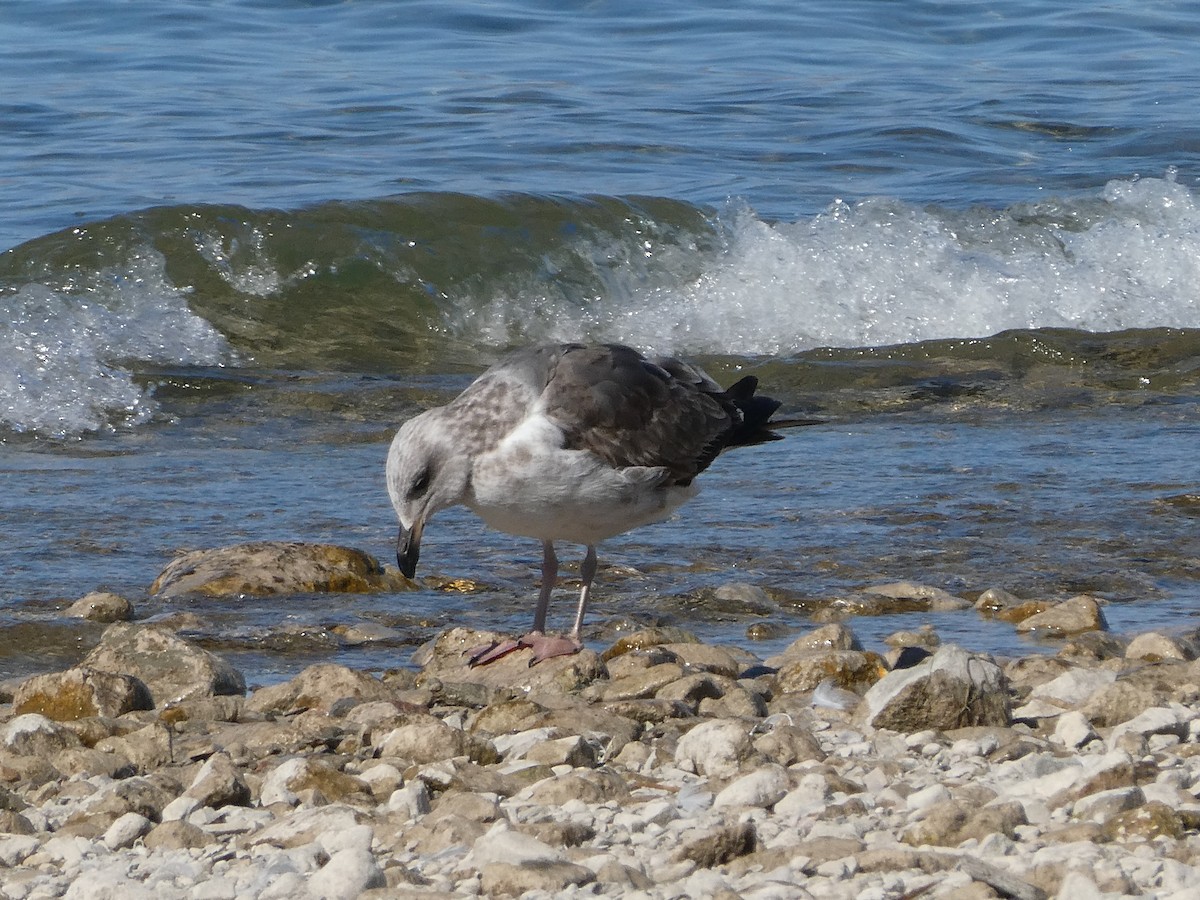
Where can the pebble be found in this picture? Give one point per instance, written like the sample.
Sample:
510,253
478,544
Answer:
940,781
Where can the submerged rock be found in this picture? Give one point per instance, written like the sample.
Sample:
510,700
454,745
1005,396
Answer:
1074,616
275,567
101,606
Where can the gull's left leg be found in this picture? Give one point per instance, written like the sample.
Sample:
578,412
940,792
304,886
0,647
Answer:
548,646
481,656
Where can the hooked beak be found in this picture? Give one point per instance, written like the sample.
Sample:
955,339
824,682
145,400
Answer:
408,548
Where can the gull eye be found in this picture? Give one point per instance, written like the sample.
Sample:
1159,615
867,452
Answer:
420,484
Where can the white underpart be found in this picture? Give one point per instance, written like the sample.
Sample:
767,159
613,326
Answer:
529,485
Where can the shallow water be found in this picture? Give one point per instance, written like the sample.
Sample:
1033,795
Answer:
247,239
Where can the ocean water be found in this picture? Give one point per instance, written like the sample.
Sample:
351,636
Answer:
241,241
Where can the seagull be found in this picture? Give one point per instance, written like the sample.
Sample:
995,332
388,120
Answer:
567,442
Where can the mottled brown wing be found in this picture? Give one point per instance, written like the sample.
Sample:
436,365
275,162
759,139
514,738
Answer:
499,400
631,411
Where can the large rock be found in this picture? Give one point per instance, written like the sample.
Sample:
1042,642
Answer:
849,669
319,687
951,689
275,567
80,693
447,660
171,668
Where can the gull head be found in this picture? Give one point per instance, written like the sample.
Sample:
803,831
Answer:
426,471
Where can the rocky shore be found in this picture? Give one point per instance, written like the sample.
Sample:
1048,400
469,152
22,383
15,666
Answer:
660,768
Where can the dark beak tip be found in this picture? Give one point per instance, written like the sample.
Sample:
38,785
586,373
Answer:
408,550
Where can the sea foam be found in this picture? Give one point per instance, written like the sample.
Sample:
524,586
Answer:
70,354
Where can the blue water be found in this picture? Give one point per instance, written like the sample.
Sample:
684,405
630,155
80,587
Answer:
109,108
210,321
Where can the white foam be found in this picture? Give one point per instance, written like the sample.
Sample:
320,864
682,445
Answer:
883,272
67,357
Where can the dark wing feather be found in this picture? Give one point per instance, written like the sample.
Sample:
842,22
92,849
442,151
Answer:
631,411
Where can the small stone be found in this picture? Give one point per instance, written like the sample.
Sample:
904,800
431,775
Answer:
177,835
501,844
319,687
1074,729
719,846
410,801
101,606
219,783
570,751
762,788
501,879
1154,819
125,830
1079,614
424,738
716,748
834,636
347,874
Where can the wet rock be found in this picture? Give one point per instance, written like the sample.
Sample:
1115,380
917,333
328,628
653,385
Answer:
101,606
80,693
321,686
275,567
906,595
649,637
951,689
834,636
1093,646
1079,614
704,658
171,668
848,669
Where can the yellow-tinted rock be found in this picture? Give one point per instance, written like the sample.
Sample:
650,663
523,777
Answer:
276,567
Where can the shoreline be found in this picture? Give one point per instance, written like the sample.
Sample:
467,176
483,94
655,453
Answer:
662,767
